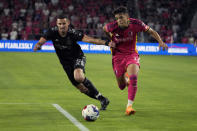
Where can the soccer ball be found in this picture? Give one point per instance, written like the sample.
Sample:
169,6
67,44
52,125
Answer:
90,112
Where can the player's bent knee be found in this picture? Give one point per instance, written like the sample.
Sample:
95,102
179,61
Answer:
79,76
79,79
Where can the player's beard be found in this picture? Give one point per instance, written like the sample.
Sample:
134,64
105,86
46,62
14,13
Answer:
62,31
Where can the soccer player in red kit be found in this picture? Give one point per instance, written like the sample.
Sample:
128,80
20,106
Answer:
125,58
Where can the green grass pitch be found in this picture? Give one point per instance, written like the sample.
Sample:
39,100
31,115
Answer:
31,82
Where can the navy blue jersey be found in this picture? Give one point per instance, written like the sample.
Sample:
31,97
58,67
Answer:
66,47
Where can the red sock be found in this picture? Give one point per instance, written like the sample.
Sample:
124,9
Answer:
132,88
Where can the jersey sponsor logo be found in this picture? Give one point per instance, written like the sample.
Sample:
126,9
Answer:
118,40
125,39
61,47
63,44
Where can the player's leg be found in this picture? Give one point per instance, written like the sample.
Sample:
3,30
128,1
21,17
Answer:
78,84
69,71
132,71
121,82
126,78
131,89
84,83
79,69
82,88
119,70
79,75
94,93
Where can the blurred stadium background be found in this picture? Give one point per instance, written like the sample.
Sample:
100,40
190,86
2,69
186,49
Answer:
175,20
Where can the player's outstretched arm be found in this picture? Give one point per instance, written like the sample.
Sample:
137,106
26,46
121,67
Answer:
109,36
155,35
39,44
97,41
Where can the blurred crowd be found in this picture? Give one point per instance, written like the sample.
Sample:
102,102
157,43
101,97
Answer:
27,19
169,18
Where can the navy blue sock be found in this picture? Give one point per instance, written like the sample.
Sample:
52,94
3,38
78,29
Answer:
92,91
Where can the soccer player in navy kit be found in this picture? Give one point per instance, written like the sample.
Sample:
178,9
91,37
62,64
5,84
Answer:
64,39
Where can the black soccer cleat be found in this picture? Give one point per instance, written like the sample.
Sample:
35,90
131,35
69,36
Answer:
104,104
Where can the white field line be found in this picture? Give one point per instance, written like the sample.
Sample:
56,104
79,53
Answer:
71,118
60,109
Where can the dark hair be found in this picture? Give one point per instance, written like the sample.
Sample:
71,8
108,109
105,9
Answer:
121,9
61,16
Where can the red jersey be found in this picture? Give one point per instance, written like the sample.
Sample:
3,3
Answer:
125,39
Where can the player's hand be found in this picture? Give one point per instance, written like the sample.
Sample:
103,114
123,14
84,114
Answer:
37,47
112,44
164,45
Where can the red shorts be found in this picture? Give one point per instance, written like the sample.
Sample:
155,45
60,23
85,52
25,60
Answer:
120,63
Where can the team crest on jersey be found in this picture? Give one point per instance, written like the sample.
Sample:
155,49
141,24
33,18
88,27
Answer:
130,33
117,35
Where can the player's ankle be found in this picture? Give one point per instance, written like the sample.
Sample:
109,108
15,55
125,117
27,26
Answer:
100,97
130,103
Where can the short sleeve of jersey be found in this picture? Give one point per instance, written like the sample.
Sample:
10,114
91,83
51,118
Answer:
47,34
76,34
140,26
108,28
